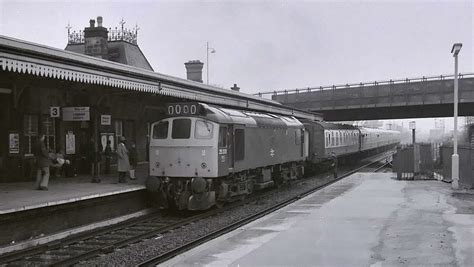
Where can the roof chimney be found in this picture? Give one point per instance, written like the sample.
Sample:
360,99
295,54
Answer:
194,70
235,88
96,39
99,21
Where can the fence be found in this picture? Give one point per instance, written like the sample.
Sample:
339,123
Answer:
414,161
466,165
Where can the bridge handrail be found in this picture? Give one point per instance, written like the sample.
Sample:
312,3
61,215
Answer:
374,83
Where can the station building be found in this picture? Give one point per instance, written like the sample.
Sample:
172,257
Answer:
99,88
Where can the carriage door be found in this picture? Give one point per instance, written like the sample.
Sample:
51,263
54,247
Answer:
225,161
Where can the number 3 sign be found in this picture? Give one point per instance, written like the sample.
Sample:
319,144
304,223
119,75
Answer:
54,112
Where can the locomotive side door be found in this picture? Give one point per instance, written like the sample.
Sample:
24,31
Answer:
224,148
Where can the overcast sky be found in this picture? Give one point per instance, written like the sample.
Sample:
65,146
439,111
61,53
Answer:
269,45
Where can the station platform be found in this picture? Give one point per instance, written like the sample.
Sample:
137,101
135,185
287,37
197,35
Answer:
17,197
367,219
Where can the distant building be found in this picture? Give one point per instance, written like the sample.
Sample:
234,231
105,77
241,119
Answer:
118,45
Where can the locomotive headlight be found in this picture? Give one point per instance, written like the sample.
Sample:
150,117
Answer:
203,165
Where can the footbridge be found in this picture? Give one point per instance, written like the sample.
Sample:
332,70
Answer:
424,97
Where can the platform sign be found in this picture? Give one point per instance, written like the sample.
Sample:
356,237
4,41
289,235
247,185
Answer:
76,114
184,109
55,112
105,119
412,125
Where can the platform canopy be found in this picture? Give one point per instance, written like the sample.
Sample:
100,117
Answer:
34,59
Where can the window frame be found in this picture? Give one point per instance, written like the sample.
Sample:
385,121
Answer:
167,130
196,132
189,129
30,132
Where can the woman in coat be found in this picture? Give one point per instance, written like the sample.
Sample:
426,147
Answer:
123,164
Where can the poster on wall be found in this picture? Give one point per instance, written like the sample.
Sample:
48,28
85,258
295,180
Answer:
104,137
14,143
70,143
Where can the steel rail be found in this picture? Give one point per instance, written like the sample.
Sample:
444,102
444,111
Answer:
174,252
111,246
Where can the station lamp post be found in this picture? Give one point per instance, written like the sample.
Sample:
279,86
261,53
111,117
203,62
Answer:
212,50
455,158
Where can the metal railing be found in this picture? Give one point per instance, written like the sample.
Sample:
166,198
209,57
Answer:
359,85
113,35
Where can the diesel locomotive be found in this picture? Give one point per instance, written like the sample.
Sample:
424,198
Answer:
203,155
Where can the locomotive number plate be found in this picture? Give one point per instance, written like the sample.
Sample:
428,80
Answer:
183,109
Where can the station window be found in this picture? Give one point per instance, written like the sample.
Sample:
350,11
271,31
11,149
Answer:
181,129
30,131
160,130
203,129
49,133
239,136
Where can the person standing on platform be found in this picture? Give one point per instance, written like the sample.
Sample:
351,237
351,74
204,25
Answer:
334,164
133,160
108,157
42,161
92,159
123,164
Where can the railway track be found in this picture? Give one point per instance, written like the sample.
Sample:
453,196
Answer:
174,252
82,247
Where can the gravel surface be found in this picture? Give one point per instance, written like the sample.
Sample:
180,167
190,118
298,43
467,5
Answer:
139,252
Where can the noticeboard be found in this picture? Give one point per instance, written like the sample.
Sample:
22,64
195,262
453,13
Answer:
76,114
105,120
14,143
70,143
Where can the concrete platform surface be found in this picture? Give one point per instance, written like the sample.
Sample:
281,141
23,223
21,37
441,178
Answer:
368,219
15,197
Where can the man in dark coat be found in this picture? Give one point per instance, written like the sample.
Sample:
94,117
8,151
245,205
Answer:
133,158
108,157
42,162
333,158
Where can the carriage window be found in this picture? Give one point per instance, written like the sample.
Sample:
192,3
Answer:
297,137
181,129
239,144
203,130
160,130
223,137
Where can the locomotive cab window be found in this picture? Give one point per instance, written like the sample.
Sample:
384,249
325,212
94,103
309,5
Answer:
160,130
239,136
181,129
203,130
